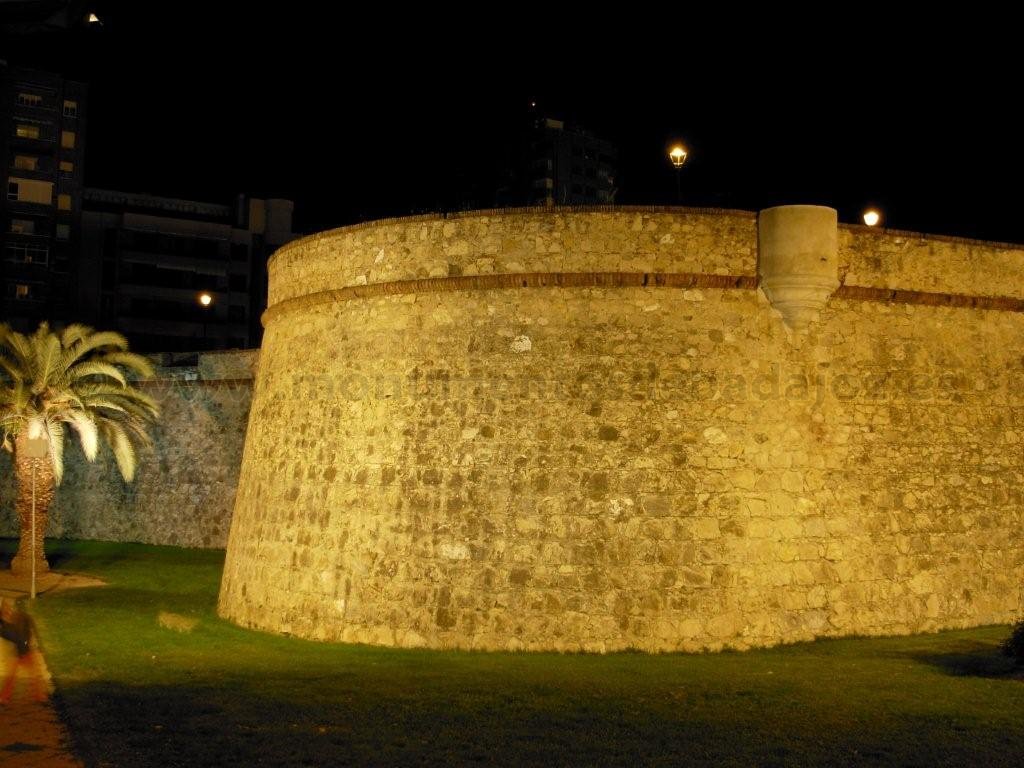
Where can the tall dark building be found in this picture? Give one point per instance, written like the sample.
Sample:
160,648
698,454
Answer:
42,149
131,262
562,164
179,275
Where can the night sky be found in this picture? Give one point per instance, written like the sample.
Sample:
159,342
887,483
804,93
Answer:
356,116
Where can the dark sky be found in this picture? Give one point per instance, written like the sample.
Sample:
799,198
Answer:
368,114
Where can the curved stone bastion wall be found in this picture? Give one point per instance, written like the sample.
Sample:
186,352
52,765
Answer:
619,428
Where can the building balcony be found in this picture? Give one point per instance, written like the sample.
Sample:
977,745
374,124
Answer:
42,145
212,266
49,210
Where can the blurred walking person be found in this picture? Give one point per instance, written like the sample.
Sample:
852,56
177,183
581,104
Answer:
17,627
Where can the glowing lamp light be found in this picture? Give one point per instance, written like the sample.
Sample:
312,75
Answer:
205,299
872,217
94,19
678,155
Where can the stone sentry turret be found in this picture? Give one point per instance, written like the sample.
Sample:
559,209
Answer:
797,260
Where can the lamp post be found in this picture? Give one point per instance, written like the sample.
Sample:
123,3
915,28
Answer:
206,302
35,448
678,154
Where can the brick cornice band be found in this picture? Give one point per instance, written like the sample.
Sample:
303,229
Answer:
686,280
517,280
926,298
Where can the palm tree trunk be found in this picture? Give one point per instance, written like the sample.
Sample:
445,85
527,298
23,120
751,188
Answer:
45,485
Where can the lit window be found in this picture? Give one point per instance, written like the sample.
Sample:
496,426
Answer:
30,191
21,291
30,100
64,202
24,131
66,166
63,231
67,139
70,108
23,226
26,162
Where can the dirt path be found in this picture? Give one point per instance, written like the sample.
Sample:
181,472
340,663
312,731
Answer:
17,587
31,733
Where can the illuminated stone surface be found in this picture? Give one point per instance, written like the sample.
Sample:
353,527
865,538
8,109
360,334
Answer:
601,461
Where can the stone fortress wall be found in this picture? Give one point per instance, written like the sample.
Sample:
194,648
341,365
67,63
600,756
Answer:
184,490
591,429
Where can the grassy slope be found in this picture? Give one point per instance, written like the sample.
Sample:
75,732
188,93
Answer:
136,694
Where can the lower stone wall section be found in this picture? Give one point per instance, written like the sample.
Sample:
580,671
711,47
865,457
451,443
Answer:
630,467
184,491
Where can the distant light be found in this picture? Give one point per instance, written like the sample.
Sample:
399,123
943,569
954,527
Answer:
533,104
94,19
678,155
205,299
872,217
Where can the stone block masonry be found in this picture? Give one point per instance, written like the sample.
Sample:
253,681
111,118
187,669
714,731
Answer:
184,491
591,429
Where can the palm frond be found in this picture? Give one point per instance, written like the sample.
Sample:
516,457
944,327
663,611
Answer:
75,333
123,409
137,430
21,349
55,434
121,446
47,360
61,400
11,367
126,397
95,368
137,364
88,434
100,341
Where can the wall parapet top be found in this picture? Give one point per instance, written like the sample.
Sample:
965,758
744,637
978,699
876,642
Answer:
856,229
881,232
414,251
522,211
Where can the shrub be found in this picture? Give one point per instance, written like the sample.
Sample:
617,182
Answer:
1014,645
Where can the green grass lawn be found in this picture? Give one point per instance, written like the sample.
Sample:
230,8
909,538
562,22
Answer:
136,694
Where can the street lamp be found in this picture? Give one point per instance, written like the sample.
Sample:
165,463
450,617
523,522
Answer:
872,217
678,154
36,448
206,302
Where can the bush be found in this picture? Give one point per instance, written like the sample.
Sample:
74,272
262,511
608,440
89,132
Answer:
1014,645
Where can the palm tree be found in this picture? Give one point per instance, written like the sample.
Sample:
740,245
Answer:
78,377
